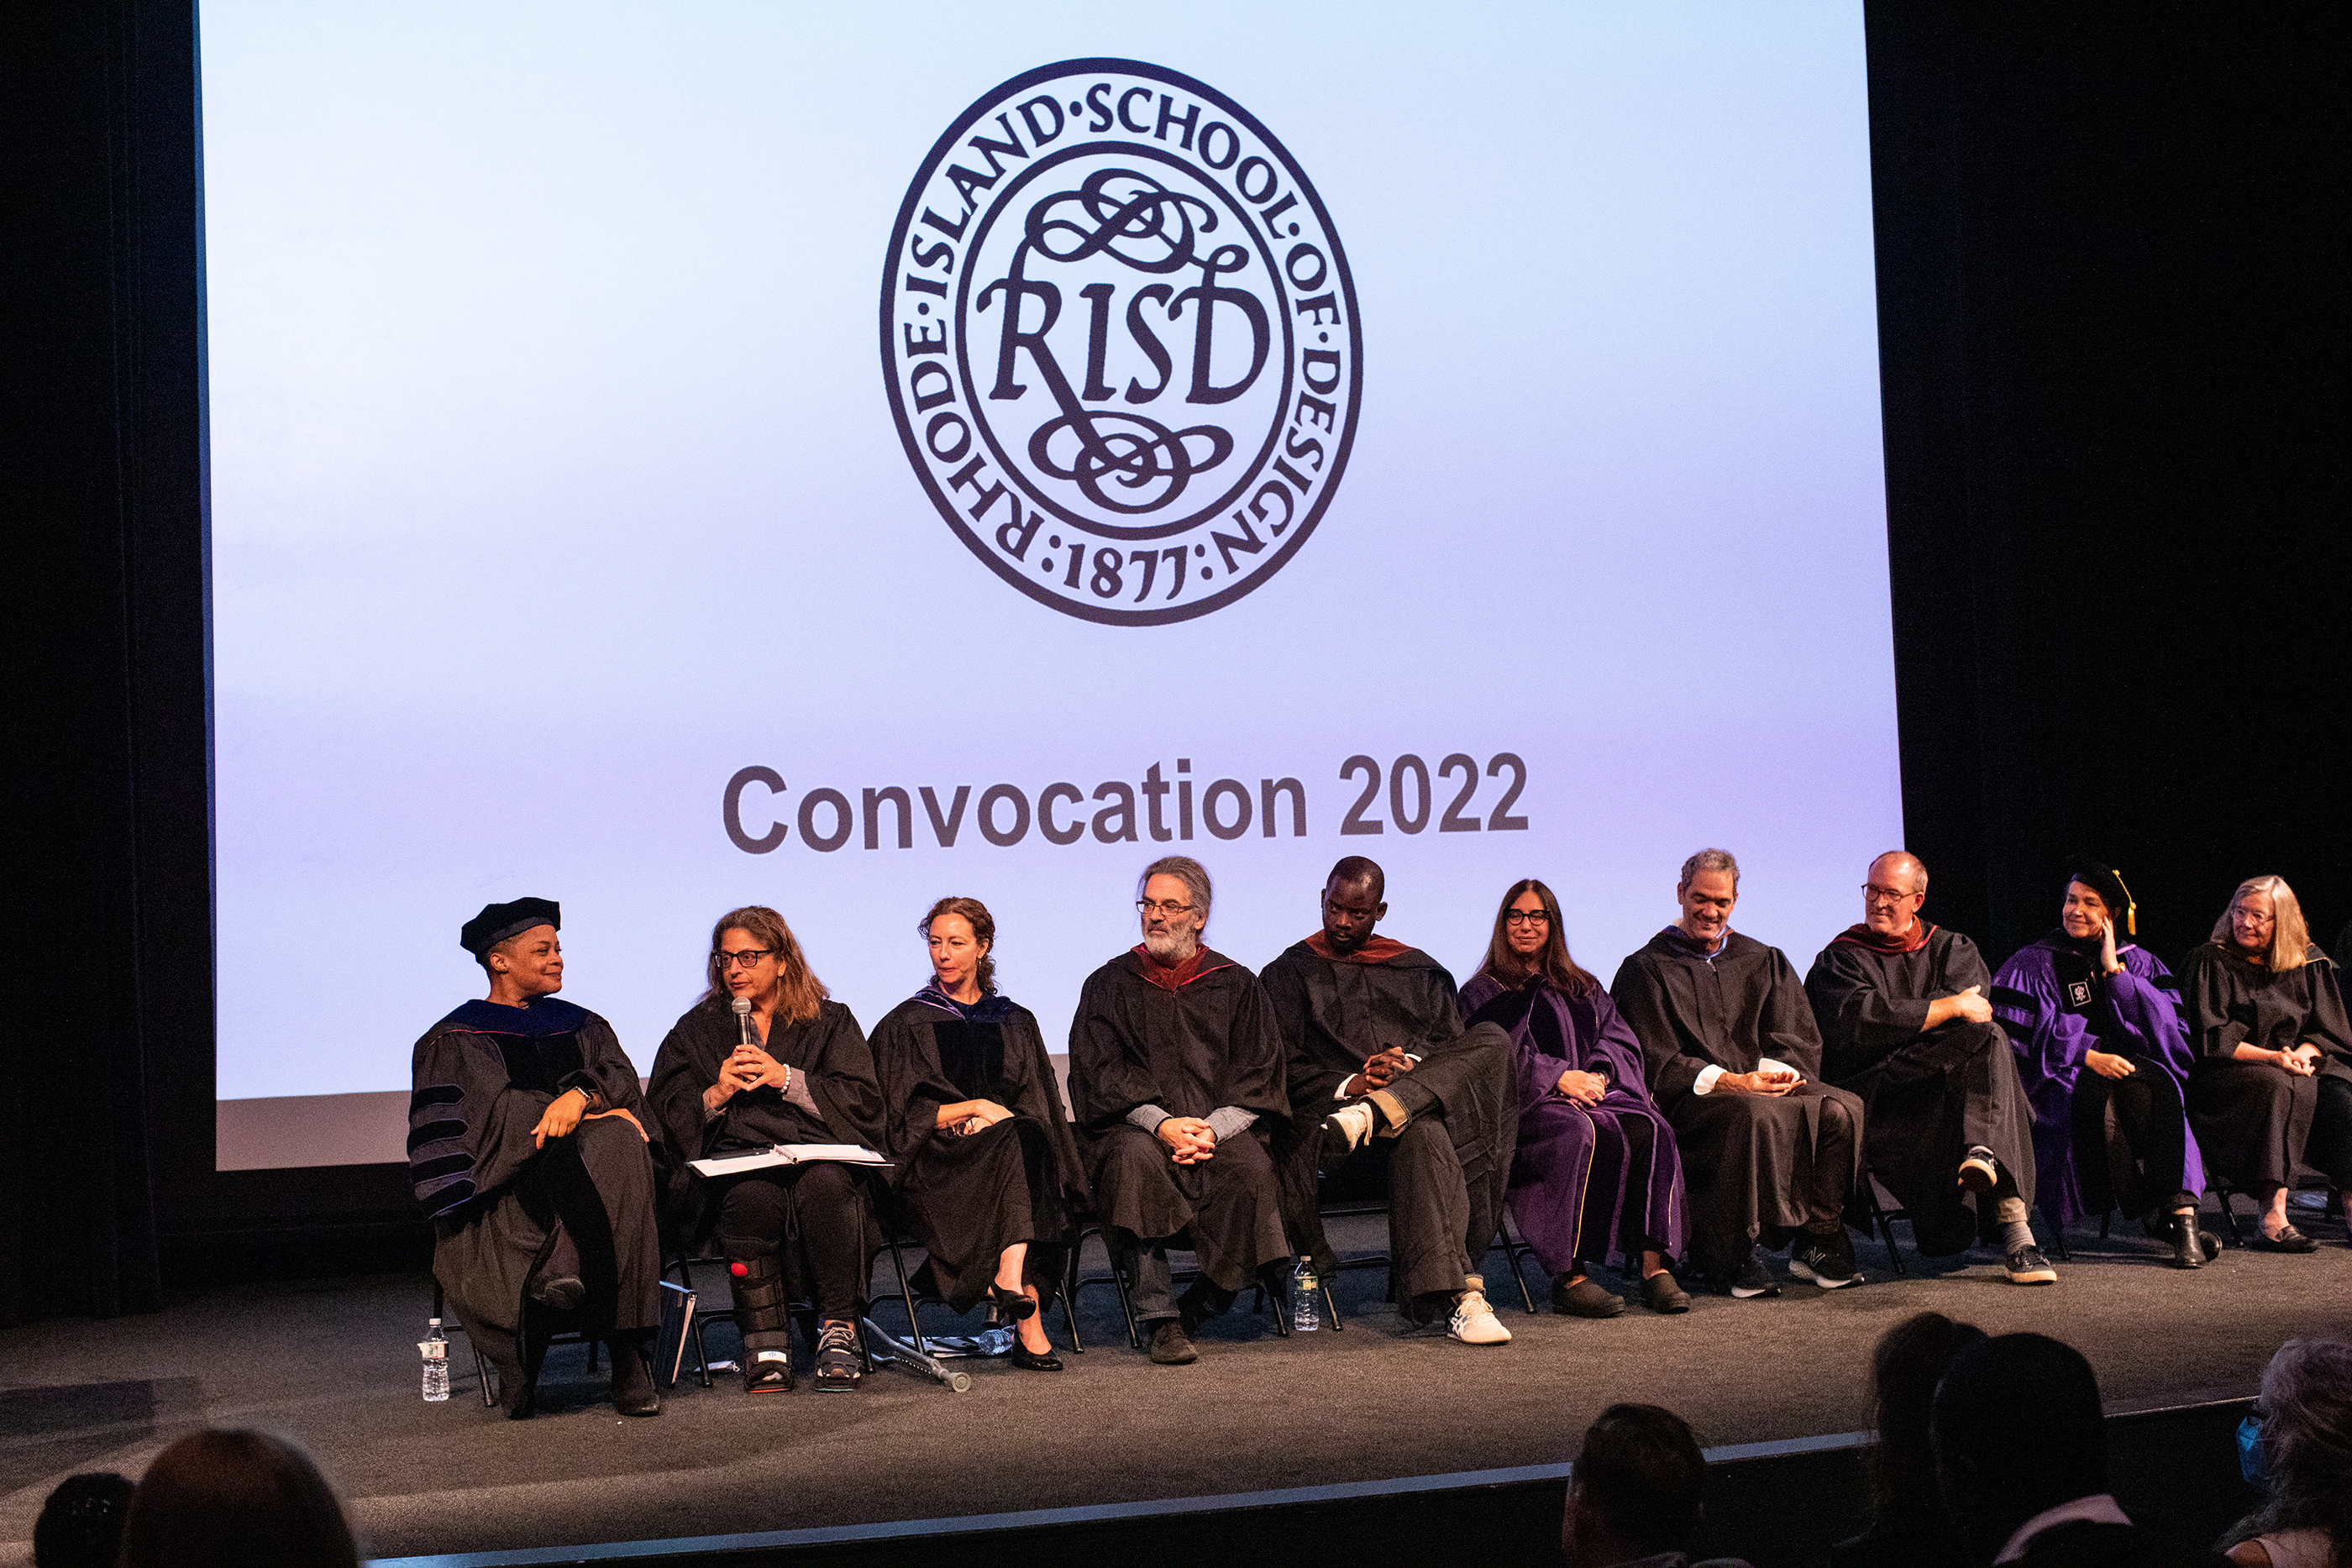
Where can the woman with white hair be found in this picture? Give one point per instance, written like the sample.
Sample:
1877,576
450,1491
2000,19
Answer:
2272,1083
2297,1446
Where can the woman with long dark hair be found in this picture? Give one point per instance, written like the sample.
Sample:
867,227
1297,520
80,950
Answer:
2272,1084
1906,1524
1597,1174
984,1160
792,1068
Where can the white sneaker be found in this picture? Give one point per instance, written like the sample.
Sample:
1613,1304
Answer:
1352,1124
1475,1323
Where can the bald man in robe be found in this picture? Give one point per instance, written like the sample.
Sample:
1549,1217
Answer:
1906,1024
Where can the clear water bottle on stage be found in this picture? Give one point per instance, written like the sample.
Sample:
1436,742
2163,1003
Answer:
1306,1298
437,1364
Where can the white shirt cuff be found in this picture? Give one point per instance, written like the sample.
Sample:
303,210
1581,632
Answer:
1707,1077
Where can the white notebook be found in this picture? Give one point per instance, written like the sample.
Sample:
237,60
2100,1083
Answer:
792,1155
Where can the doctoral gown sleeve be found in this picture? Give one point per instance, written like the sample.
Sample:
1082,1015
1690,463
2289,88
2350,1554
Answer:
1039,1096
682,1070
842,1079
1641,995
1613,1048
1290,998
1860,1020
913,1084
2220,1019
2049,1040
470,1129
1110,1074
1254,1075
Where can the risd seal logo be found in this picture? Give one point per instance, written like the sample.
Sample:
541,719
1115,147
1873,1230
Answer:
1121,341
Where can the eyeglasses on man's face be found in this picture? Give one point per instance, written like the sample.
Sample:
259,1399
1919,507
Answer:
1527,918
1169,907
1873,893
746,958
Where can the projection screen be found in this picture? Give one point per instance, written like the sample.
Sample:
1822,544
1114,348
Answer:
668,458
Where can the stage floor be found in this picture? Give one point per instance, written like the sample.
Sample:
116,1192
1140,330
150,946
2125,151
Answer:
334,1362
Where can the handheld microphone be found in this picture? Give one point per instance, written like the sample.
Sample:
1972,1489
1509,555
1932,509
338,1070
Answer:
742,1006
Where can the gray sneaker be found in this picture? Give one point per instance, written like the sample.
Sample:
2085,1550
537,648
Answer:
838,1366
2026,1266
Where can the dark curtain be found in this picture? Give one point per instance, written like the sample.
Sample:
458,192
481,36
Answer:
106,1087
2110,262
2108,242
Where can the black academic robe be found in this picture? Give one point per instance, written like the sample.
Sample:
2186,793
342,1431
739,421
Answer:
482,1077
967,1199
1748,1159
1928,1097
1446,1202
1208,1044
828,1052
2252,1119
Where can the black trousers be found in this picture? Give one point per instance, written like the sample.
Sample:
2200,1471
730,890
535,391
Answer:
756,1208
2131,1141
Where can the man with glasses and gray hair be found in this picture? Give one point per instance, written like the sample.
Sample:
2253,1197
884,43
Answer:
1906,1023
1176,1082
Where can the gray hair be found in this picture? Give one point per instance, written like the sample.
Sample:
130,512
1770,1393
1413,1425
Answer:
2306,1442
1185,869
1709,859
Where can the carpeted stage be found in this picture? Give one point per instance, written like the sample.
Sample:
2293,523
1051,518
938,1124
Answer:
334,1362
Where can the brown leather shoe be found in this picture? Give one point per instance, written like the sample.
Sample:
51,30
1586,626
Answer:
1585,1299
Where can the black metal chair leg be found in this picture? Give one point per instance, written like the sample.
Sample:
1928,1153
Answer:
1511,1254
1070,1294
1885,1223
2057,1238
2228,1215
905,1291
1330,1306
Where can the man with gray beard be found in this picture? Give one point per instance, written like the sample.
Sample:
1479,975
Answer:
1176,1083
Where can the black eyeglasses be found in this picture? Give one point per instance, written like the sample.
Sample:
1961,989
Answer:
1527,918
1150,907
747,958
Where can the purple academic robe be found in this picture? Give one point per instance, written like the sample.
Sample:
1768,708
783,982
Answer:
2132,1014
1593,1182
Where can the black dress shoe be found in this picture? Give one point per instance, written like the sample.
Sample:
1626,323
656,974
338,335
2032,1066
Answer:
563,1293
2187,1250
1661,1295
632,1382
2288,1239
1034,1360
1012,1306
1585,1299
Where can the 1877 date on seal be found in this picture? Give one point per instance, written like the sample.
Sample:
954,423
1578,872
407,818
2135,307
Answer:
1121,341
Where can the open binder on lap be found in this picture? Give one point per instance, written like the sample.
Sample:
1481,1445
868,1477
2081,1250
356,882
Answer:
792,1155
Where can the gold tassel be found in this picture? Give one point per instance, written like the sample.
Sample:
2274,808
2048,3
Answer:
2131,909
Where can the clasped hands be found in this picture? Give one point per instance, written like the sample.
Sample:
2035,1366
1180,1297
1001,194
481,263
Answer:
1380,1069
1763,1080
747,1067
567,1111
2303,1061
965,1117
1190,1140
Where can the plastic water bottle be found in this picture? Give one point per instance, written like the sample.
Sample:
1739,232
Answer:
1306,1298
437,1364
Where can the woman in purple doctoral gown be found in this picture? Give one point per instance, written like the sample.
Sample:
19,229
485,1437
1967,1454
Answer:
2105,1058
1597,1174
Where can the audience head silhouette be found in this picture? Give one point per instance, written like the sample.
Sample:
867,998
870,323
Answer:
1910,1360
81,1524
235,1500
2303,1439
1997,1468
1635,1491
